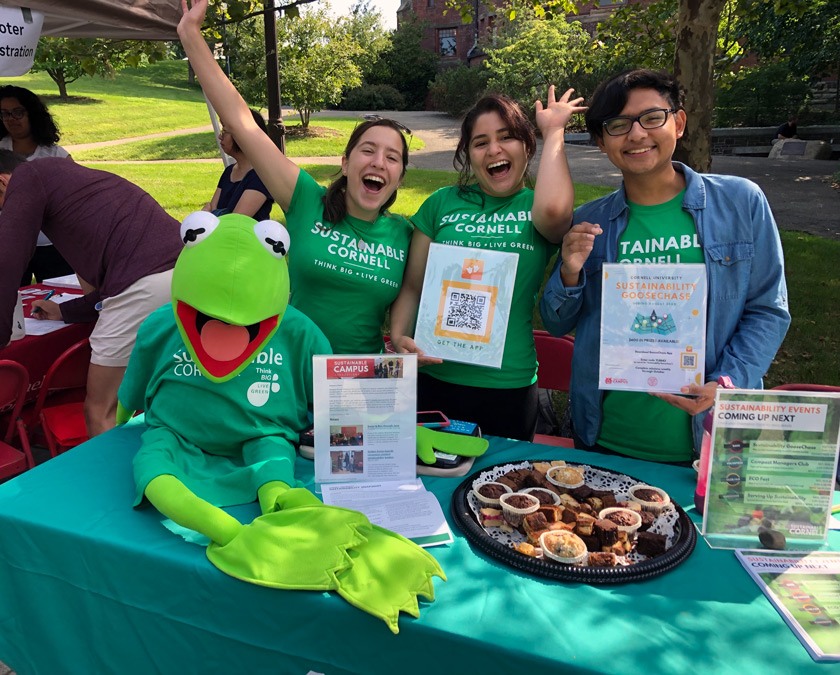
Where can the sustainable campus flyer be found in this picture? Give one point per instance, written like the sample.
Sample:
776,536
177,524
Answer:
773,463
365,417
804,587
653,327
465,304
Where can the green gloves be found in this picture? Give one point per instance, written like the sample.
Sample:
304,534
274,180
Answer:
429,440
307,545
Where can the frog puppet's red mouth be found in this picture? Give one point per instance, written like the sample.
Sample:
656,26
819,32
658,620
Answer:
219,346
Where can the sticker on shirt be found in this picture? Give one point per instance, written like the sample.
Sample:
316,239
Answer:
465,304
653,327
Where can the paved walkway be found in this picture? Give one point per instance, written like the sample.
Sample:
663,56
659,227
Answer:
799,190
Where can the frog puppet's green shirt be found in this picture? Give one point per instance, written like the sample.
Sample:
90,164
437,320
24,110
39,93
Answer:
225,378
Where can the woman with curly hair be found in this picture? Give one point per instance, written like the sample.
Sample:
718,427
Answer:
29,130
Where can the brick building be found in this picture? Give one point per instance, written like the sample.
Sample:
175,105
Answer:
457,42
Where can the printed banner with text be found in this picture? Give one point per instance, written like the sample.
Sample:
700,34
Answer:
772,465
653,327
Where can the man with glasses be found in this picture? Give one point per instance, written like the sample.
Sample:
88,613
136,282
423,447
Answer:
665,213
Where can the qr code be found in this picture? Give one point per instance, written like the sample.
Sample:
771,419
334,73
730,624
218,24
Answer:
466,311
688,360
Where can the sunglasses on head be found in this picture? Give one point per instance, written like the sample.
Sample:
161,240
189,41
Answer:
379,118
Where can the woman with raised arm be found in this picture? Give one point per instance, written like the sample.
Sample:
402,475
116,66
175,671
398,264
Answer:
348,252
497,142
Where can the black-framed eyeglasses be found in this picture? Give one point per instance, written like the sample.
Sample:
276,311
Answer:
379,118
652,119
16,113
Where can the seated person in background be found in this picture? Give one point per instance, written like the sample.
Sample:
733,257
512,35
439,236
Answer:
113,234
788,129
636,118
28,129
240,189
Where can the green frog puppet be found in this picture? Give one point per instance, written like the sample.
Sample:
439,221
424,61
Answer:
224,376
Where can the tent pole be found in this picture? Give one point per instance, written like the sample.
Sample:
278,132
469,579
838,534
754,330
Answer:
276,130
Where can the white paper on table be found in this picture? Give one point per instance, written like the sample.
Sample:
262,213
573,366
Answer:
69,280
405,508
59,298
42,326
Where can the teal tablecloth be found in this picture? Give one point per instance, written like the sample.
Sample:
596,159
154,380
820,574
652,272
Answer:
88,585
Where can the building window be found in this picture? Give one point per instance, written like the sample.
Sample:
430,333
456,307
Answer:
447,38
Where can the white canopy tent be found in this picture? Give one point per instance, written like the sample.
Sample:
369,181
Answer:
121,19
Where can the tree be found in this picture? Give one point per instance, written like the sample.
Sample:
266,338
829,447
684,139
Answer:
529,52
405,65
65,60
319,58
807,43
364,23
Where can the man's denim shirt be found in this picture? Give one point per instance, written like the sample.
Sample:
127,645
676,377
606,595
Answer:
747,314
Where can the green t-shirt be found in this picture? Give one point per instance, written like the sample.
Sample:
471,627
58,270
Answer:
222,440
504,224
345,276
634,423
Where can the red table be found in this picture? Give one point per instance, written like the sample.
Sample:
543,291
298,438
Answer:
38,352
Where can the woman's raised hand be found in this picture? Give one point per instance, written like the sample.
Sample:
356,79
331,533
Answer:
192,17
557,113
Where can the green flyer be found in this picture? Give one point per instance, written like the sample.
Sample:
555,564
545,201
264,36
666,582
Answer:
805,589
772,467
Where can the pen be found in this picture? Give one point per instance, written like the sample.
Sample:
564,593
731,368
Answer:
46,297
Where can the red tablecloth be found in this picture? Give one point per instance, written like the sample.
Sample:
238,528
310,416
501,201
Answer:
38,352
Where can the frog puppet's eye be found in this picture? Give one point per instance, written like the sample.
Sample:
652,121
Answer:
273,236
197,227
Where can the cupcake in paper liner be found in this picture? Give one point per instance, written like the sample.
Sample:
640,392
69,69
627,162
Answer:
626,520
564,547
651,498
569,477
488,493
517,505
546,497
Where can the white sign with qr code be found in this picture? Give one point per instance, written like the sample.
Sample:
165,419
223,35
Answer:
465,304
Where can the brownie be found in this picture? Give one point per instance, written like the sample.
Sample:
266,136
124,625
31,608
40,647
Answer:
607,531
535,521
581,493
592,542
600,559
570,514
552,512
491,491
608,500
533,479
651,544
505,480
647,520
543,497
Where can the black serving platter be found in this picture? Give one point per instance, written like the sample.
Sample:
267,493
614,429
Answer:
684,542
